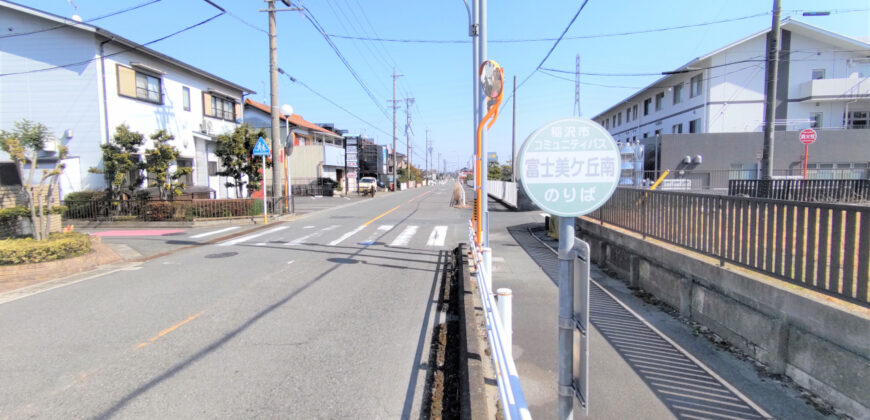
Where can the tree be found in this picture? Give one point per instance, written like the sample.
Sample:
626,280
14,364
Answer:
234,151
157,162
30,138
494,171
122,164
506,172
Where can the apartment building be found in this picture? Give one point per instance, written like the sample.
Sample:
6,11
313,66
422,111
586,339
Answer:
823,83
82,81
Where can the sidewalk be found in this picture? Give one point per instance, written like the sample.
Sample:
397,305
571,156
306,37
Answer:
644,363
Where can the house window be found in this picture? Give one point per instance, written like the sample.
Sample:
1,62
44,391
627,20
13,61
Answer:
677,128
185,163
219,107
678,93
613,121
185,98
645,135
697,83
858,119
628,114
694,125
619,119
818,74
634,113
9,174
659,99
607,123
137,84
659,131
212,169
646,104
816,120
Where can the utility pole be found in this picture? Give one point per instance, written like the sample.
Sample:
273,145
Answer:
484,205
395,105
514,136
278,208
772,67
408,103
428,152
577,112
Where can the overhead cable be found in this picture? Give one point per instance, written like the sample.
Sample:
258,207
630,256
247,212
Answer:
74,23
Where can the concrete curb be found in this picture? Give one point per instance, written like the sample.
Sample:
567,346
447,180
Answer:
473,384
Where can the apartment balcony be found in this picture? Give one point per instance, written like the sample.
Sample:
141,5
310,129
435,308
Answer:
845,89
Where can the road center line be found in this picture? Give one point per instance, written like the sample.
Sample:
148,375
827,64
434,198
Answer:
382,215
168,330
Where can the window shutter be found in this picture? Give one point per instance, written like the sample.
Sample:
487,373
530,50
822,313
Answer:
126,81
238,109
206,104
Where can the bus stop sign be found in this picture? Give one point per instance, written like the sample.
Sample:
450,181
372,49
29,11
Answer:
569,167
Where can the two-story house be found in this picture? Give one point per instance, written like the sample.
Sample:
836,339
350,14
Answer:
82,81
709,112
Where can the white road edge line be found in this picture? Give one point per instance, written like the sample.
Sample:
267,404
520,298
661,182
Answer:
674,344
214,232
249,237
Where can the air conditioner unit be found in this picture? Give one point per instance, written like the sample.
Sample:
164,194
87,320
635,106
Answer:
206,127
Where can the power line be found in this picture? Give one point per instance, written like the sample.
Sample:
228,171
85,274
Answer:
592,36
135,47
313,20
294,80
115,13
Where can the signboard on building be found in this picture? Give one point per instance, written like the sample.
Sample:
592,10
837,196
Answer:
351,158
569,167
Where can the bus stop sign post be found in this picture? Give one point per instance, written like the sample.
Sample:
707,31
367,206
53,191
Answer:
570,167
262,149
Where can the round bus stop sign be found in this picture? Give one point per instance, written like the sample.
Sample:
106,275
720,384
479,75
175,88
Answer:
569,167
808,136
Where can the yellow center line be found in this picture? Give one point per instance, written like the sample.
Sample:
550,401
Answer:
420,196
168,330
382,215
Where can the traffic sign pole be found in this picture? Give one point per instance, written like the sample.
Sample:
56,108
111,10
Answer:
265,201
807,137
806,158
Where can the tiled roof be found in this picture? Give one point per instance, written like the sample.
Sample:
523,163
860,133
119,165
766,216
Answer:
294,119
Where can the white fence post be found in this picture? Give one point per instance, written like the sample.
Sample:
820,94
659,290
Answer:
504,310
486,252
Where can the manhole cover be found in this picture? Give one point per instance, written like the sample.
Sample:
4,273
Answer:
222,255
343,260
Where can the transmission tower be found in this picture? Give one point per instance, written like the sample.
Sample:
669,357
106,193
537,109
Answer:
577,112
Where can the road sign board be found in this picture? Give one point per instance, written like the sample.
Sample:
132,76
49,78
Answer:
569,167
261,149
808,136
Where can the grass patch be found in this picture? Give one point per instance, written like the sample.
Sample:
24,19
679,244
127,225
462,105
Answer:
57,246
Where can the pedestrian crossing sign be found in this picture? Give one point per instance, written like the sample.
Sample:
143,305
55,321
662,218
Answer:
261,149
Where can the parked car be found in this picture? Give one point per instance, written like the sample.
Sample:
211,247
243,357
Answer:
324,186
367,182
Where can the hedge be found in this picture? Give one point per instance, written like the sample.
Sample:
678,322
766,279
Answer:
11,213
57,246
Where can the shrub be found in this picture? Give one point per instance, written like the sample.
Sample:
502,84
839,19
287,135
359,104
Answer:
57,246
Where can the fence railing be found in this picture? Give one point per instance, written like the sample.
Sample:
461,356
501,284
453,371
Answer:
502,190
815,245
160,210
717,181
819,190
498,331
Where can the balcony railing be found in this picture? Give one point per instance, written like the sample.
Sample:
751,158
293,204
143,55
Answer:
843,89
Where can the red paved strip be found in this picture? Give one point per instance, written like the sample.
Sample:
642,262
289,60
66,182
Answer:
143,232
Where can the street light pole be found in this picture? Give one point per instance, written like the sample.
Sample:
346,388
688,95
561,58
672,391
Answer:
772,66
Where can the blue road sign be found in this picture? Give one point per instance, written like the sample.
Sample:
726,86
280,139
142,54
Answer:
261,149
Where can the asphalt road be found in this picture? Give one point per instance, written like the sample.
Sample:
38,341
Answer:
325,317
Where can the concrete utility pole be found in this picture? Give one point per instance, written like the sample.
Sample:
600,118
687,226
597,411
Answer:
395,104
408,103
772,67
428,153
278,208
481,39
514,136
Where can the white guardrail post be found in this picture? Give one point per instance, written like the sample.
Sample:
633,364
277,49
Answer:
499,328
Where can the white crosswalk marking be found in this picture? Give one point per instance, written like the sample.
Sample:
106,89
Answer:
438,236
214,232
346,235
301,240
249,237
405,236
376,234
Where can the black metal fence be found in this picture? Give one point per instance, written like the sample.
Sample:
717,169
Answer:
160,210
718,181
815,245
819,190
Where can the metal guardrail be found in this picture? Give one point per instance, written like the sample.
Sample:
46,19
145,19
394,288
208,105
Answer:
817,190
160,210
498,331
815,245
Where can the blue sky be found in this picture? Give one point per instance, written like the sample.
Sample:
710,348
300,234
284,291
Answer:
439,75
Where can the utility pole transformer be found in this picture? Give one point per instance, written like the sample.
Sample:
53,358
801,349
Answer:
772,67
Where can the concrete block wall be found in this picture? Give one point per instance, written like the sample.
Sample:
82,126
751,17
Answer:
822,343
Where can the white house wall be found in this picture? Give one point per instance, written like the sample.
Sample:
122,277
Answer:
64,98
